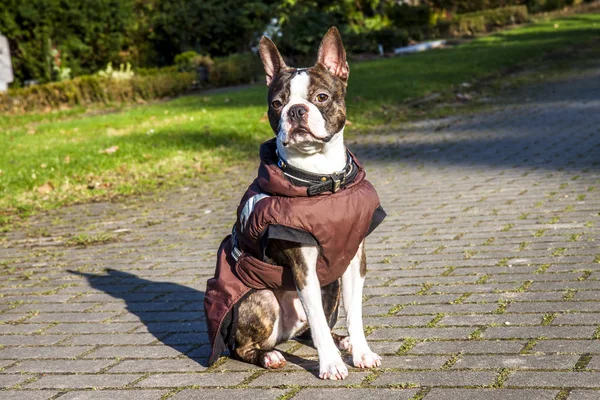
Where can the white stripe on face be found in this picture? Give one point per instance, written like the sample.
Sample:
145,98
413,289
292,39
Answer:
299,95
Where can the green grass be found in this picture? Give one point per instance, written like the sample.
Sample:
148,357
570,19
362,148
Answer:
166,143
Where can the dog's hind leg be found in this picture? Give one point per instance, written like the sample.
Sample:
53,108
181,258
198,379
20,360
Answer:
257,330
352,287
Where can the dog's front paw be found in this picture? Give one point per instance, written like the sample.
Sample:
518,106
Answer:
334,370
366,359
272,360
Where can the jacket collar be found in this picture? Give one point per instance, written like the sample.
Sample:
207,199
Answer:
277,177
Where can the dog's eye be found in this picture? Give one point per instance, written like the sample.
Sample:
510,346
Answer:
321,97
276,104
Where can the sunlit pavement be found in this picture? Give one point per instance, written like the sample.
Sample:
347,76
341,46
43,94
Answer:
482,283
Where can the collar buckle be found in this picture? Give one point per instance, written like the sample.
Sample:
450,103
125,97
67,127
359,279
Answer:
336,184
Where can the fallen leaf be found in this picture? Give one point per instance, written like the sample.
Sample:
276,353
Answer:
264,118
45,188
110,150
349,123
67,159
31,132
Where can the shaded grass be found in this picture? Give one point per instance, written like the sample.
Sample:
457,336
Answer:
52,159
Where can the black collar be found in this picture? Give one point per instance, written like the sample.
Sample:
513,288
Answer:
319,183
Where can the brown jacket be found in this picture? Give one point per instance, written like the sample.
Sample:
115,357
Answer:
277,207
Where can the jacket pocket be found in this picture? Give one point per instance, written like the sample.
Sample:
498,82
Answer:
260,275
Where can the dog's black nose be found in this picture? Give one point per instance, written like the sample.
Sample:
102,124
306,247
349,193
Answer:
296,112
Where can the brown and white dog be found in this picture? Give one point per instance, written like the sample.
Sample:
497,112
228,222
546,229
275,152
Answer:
307,113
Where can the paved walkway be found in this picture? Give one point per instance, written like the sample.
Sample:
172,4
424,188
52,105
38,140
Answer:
483,282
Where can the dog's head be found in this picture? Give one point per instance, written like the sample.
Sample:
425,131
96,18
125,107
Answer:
306,105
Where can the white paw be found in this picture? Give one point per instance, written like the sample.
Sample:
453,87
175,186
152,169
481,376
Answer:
335,370
344,344
272,360
366,359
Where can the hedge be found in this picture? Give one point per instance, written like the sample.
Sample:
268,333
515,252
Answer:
235,69
94,89
487,20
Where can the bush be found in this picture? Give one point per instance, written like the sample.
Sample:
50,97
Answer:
235,69
389,38
485,21
184,62
156,71
406,16
535,6
93,89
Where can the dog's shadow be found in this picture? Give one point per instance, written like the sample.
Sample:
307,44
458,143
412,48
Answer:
173,313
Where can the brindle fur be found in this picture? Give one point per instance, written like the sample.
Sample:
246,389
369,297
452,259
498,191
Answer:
363,262
254,326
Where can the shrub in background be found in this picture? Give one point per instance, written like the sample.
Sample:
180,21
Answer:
487,20
94,89
235,69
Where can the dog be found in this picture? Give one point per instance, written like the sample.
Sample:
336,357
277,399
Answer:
298,242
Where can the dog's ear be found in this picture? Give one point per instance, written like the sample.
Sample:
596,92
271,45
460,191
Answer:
272,61
332,54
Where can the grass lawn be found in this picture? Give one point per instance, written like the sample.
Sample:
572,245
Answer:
52,159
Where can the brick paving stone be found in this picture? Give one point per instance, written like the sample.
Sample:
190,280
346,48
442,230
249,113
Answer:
503,319
395,321
30,340
82,327
82,381
421,333
449,309
73,366
577,319
168,365
27,394
136,352
355,394
491,394
7,381
22,328
516,362
551,332
393,300
43,352
567,346
407,362
584,395
229,394
114,394
553,379
204,379
436,378
71,317
273,379
93,339
486,261
594,363
236,365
